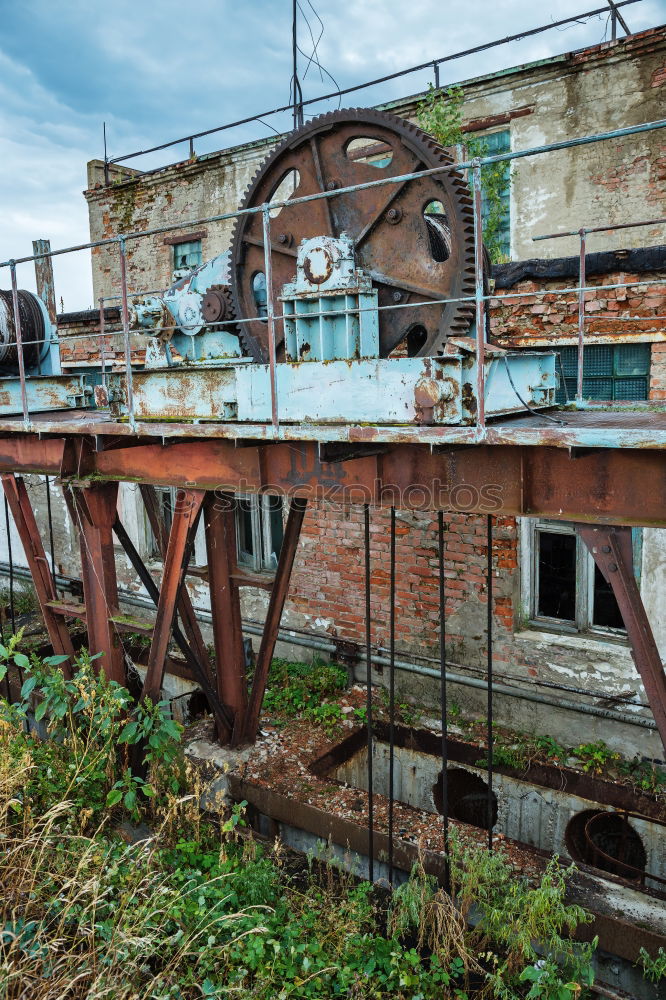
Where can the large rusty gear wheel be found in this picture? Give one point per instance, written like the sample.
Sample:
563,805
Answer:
395,243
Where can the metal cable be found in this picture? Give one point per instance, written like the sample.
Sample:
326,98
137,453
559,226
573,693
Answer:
535,413
50,522
443,698
489,627
368,676
391,695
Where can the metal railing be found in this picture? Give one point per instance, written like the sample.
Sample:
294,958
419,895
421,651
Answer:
582,235
479,299
434,64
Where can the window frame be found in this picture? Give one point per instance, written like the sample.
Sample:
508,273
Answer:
186,243
260,560
583,624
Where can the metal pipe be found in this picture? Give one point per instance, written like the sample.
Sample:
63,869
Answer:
601,229
581,318
577,18
270,315
326,646
19,347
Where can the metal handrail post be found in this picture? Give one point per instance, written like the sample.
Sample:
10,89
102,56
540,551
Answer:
270,315
126,332
19,347
581,318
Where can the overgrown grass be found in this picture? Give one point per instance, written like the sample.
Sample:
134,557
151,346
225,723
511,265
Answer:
196,910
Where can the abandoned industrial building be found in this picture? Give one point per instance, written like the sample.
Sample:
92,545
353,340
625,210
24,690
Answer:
311,420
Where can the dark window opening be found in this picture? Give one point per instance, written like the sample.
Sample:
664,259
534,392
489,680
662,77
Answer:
468,798
605,611
557,576
606,840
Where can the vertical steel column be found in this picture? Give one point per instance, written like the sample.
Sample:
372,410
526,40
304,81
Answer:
220,525
181,539
612,551
443,692
489,667
26,525
480,302
94,511
368,682
278,596
19,348
270,315
391,694
126,332
581,318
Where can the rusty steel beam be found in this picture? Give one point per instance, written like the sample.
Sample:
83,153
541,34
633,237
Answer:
278,596
185,609
220,525
42,578
612,552
622,485
181,539
93,509
196,671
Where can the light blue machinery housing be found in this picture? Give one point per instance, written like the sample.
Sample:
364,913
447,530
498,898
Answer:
332,372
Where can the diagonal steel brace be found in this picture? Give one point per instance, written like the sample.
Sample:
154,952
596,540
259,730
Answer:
612,551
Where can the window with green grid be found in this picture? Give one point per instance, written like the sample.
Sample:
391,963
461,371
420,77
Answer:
610,372
495,143
187,255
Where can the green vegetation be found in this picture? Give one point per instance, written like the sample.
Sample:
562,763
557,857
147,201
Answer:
654,969
25,599
307,690
441,114
197,910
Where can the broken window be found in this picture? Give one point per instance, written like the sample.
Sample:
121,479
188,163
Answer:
562,586
187,256
610,372
259,530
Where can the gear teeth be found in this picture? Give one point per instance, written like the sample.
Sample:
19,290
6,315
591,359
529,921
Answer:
456,183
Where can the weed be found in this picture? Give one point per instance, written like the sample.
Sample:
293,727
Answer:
595,756
654,969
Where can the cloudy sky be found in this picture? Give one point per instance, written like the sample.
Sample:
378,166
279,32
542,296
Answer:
157,69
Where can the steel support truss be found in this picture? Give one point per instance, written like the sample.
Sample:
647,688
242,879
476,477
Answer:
529,481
